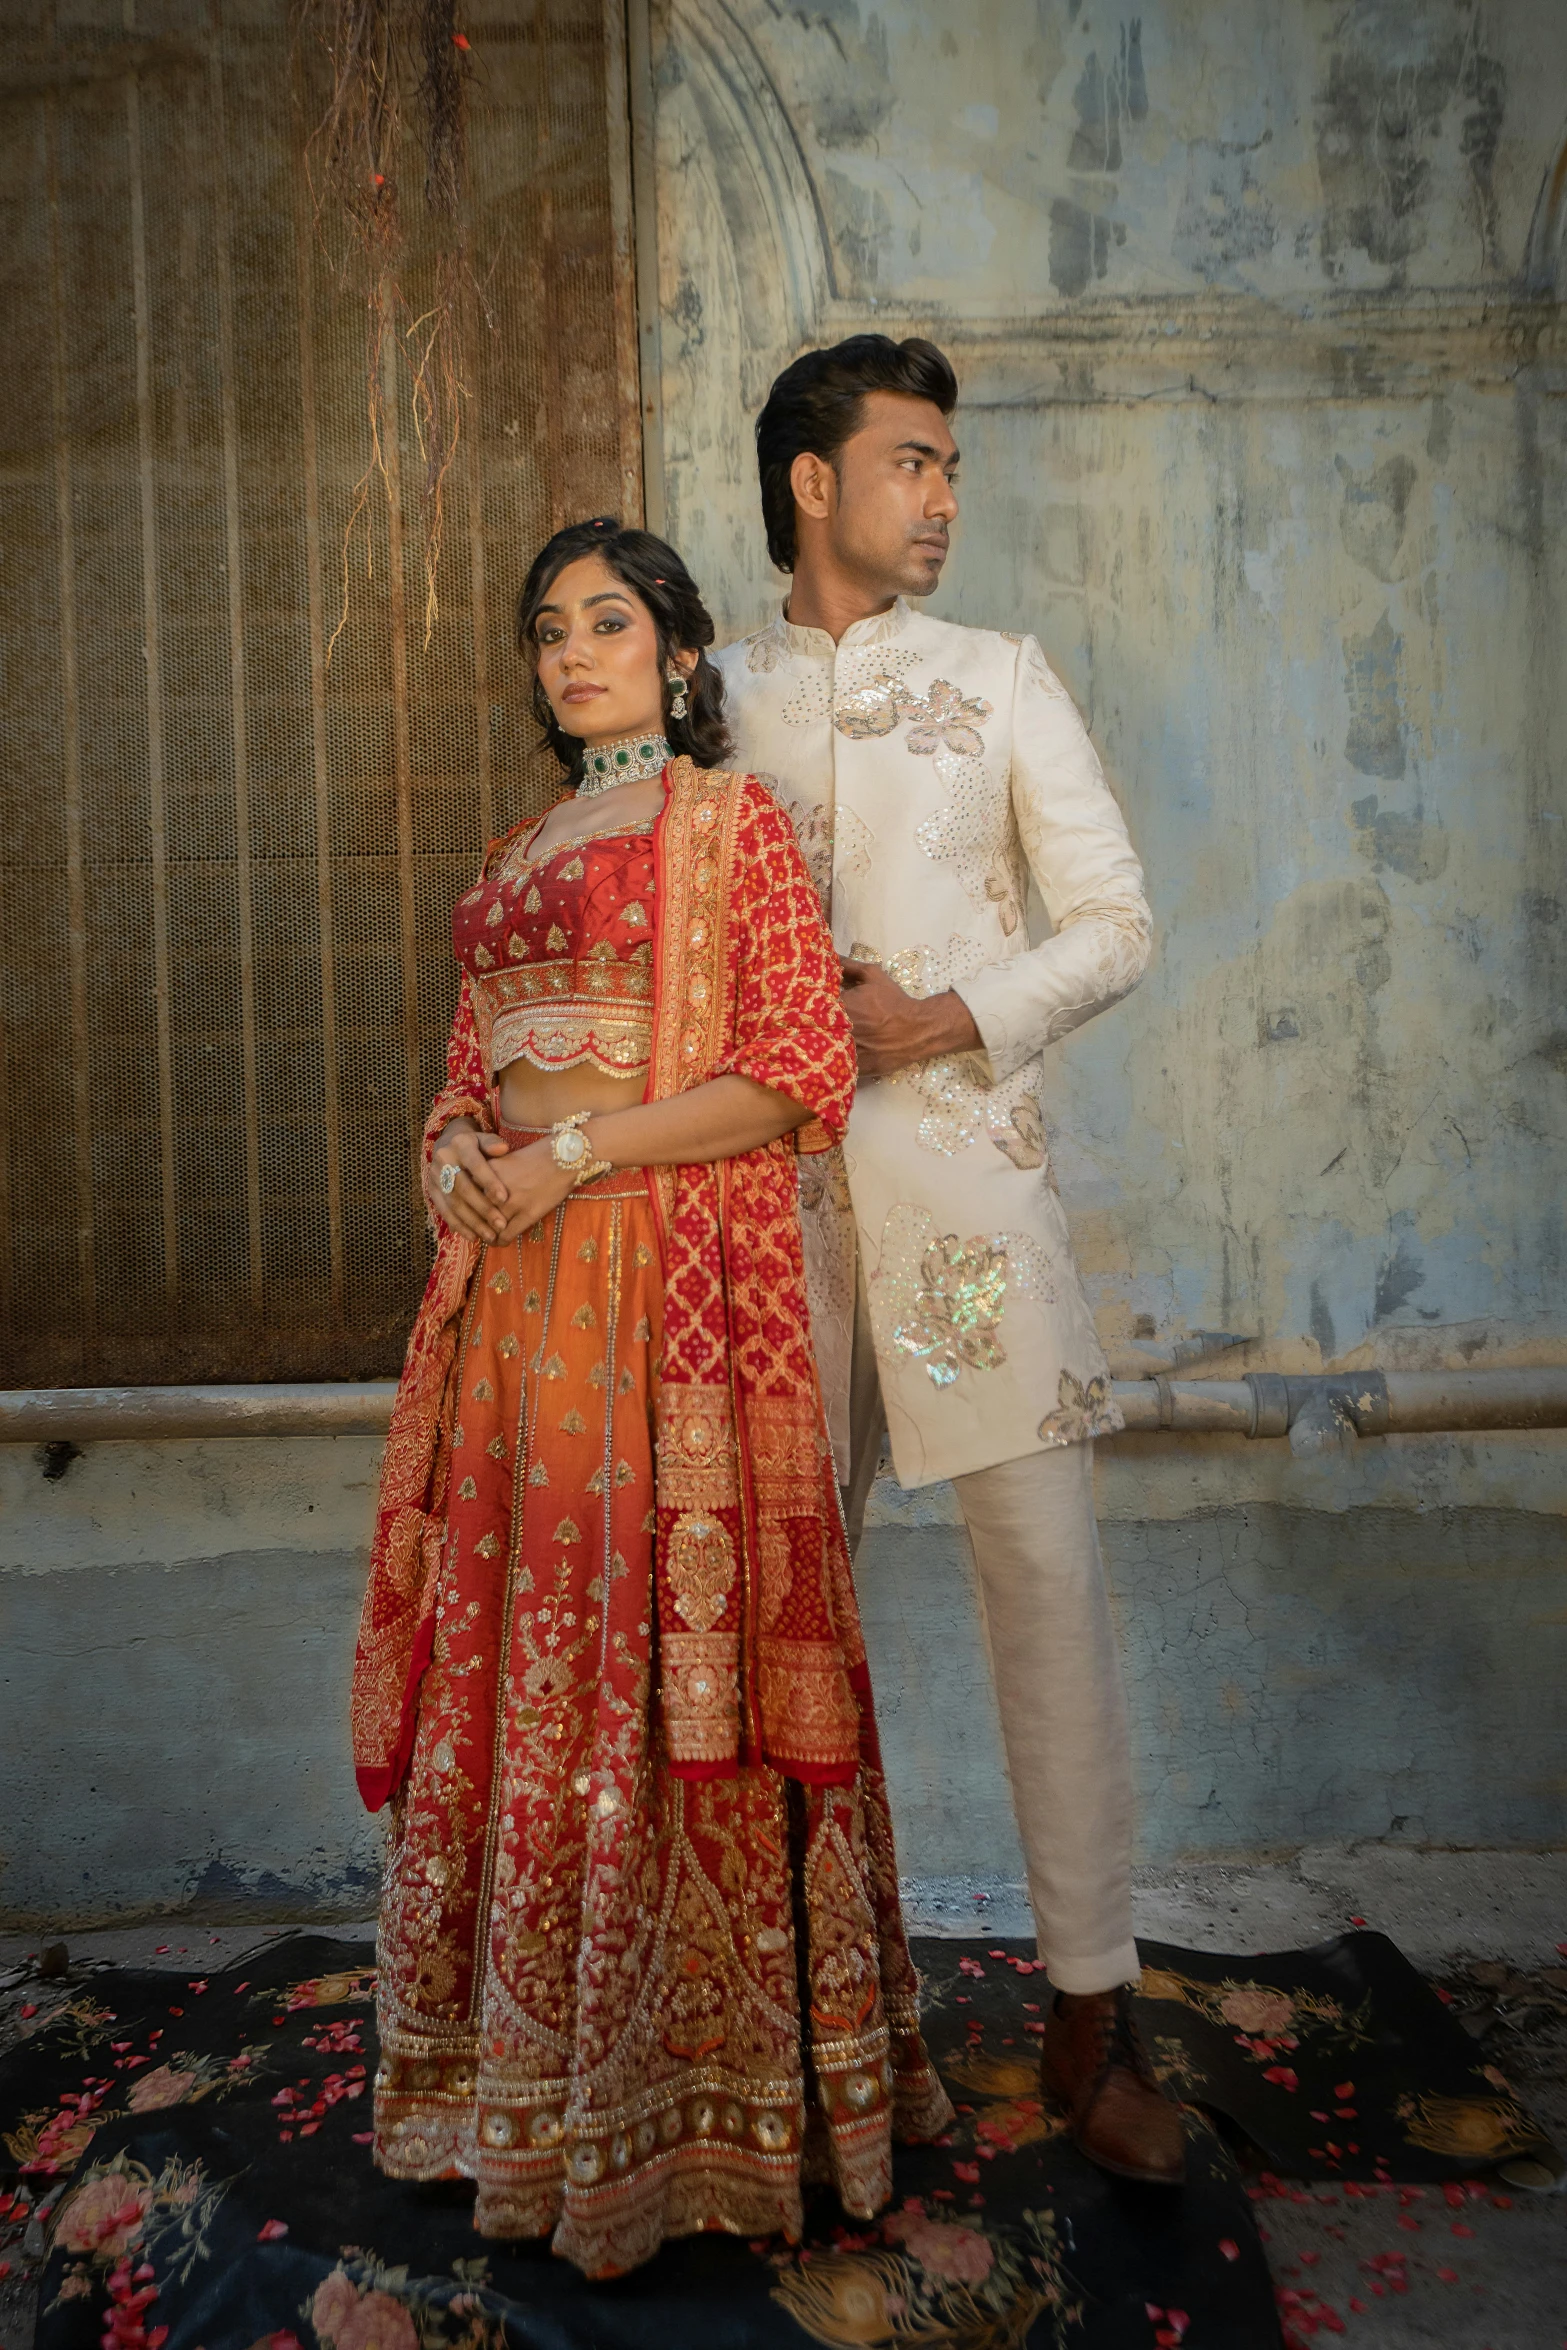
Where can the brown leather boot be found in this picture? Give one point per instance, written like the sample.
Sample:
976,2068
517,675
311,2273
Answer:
1094,2063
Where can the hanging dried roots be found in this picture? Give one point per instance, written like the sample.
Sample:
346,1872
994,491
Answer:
397,71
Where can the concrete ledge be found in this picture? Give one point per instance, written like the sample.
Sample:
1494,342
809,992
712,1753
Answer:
98,1415
1438,1906
1317,1408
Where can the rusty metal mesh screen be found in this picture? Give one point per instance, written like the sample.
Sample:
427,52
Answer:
228,867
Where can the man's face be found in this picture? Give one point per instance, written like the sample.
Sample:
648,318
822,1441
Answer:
895,496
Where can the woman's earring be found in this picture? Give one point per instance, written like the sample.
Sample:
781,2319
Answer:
678,703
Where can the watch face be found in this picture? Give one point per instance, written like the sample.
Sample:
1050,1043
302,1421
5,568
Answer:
571,1148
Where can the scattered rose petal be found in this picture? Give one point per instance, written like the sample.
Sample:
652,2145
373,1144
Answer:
1230,2249
270,2230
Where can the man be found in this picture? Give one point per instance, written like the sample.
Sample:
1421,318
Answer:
930,771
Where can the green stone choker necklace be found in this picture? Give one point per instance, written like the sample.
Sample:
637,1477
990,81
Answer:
633,759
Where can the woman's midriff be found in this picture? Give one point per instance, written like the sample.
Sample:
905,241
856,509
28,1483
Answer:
542,1097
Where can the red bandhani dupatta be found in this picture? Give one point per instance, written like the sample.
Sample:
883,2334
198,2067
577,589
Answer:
760,1659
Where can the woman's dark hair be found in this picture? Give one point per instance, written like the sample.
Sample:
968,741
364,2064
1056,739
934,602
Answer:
818,404
682,621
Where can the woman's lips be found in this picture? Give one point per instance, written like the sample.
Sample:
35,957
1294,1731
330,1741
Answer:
581,693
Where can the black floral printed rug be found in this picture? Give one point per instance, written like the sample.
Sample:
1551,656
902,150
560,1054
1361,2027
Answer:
201,2149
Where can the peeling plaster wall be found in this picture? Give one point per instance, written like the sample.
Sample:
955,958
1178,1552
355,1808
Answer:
1254,310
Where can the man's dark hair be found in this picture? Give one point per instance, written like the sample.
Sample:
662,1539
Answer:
818,404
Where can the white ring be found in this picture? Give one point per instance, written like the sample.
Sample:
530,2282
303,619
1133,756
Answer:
449,1179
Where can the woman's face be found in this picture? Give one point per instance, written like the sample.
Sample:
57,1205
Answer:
597,652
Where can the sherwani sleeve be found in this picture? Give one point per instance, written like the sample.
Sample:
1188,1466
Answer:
1076,843
791,1031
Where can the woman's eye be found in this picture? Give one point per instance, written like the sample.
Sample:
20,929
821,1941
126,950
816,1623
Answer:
610,625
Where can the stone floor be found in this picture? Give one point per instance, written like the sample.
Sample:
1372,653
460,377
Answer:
1403,2269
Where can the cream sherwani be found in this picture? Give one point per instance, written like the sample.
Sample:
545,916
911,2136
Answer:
930,771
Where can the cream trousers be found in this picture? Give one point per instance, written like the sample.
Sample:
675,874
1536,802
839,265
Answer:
1045,1608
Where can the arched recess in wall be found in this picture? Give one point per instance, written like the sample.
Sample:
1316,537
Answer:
1545,258
770,205
744,278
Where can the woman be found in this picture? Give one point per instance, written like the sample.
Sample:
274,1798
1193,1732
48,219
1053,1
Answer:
641,1958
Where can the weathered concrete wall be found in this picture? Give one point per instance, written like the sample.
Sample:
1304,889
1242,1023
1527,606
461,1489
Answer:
1254,309
1315,1651
176,1629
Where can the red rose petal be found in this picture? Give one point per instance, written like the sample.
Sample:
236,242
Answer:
271,2230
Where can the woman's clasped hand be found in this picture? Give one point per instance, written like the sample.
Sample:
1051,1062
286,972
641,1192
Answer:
497,1190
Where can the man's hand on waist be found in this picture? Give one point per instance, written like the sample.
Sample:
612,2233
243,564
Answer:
893,1030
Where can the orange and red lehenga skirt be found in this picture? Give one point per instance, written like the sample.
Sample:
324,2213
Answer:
627,2005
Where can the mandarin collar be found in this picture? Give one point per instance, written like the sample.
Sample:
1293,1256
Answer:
815,644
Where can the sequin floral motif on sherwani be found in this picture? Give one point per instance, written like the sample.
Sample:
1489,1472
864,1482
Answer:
641,1955
932,772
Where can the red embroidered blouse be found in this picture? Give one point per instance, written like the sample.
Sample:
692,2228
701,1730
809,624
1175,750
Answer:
559,955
